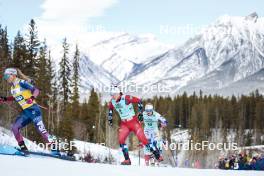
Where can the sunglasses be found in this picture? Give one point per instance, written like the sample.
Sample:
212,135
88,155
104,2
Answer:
6,76
148,110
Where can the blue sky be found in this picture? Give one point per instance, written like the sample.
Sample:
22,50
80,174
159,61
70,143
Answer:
134,16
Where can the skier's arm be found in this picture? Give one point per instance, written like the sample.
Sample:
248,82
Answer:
138,101
35,91
110,113
162,120
131,99
24,77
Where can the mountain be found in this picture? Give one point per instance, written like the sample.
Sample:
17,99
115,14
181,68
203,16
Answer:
227,57
121,54
93,76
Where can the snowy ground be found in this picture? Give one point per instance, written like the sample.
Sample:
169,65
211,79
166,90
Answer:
96,150
102,152
39,166
43,166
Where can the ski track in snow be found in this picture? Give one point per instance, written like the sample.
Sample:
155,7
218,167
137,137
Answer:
41,166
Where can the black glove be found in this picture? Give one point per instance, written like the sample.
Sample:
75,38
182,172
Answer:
140,117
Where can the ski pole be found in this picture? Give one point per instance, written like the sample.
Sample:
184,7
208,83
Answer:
46,108
109,143
43,107
139,147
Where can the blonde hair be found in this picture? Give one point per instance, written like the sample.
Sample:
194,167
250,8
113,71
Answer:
21,75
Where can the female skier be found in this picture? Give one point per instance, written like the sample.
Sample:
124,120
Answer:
24,93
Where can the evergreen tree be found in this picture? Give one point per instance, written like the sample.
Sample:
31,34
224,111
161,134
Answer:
33,48
93,110
19,52
42,81
65,73
52,94
5,49
53,79
75,95
5,61
84,118
66,122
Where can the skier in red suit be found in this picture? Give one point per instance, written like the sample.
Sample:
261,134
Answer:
130,121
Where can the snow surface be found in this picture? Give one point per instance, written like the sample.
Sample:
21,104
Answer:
7,138
41,166
99,151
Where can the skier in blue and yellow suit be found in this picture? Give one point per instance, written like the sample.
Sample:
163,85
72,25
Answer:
24,93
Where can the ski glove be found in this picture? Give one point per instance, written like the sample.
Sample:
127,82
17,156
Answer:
164,124
30,100
140,117
140,107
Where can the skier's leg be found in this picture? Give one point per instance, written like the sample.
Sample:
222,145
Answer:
36,117
21,121
147,143
157,145
138,130
125,151
147,152
123,132
155,140
147,158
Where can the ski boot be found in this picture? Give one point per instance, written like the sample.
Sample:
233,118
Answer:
126,162
126,155
157,155
53,145
23,147
152,161
160,159
147,158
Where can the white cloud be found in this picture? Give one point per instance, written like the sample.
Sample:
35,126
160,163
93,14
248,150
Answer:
70,18
78,10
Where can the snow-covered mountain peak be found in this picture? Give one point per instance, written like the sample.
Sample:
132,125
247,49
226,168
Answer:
239,22
120,54
253,16
229,50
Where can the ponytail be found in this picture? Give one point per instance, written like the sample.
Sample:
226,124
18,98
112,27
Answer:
23,76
